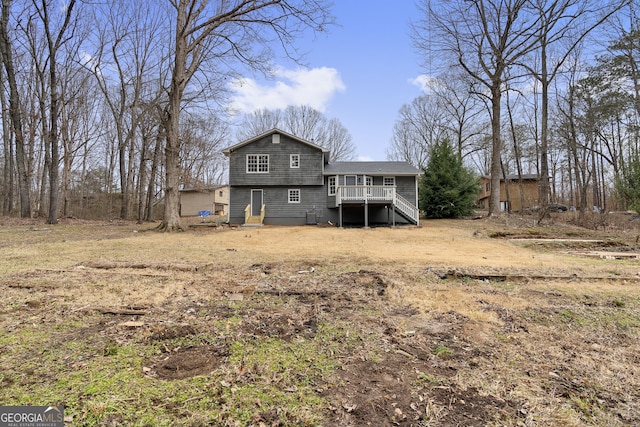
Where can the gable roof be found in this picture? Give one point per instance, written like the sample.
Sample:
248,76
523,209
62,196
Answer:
370,168
228,150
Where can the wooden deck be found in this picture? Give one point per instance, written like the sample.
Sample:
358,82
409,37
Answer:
377,194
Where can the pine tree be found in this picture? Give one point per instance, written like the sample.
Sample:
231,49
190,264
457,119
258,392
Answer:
447,188
628,185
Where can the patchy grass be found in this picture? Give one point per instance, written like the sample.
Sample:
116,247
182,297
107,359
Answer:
317,326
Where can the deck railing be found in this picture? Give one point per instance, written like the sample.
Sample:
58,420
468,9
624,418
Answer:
377,193
407,208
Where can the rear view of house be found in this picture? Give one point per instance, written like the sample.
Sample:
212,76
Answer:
278,178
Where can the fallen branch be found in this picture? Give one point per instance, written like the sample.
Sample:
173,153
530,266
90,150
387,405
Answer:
294,292
105,265
116,311
453,274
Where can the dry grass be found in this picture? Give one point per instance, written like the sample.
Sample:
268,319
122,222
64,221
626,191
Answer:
548,338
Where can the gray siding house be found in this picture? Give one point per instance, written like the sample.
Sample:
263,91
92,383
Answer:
278,178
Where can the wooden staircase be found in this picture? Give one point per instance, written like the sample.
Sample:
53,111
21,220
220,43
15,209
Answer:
253,221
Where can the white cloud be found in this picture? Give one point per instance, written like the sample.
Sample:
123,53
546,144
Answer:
425,83
365,159
313,87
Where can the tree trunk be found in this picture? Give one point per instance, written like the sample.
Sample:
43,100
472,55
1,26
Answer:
7,167
516,153
142,175
46,166
15,112
124,189
171,221
152,178
543,183
53,138
496,148
507,192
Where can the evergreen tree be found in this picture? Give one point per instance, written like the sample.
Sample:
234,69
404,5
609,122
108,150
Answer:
628,185
447,188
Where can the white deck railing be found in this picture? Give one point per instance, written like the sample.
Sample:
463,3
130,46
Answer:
377,193
407,208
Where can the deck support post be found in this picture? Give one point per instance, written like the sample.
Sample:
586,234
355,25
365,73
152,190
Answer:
340,215
366,214
393,214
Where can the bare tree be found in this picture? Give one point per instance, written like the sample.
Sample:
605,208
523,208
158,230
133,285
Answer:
338,142
79,128
304,122
420,126
15,111
485,38
55,38
232,29
258,122
127,42
203,138
566,23
458,97
7,167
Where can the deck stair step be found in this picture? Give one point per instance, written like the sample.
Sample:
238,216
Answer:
253,221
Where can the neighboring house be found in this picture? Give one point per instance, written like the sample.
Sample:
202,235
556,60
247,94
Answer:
278,178
196,201
518,200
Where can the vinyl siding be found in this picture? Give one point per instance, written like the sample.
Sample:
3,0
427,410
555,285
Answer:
192,202
278,210
280,172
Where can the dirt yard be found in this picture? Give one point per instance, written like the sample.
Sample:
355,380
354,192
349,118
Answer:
454,323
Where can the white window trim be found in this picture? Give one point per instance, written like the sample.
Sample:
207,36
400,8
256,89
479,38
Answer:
292,191
296,164
335,185
257,156
384,181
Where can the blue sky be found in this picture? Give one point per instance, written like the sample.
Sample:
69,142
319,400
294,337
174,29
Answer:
361,73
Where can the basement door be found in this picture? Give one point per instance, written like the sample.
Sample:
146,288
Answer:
256,202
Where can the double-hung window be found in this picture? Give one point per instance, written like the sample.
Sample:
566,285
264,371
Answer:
332,186
294,195
257,163
294,160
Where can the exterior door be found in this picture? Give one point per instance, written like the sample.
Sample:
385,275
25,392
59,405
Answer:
256,202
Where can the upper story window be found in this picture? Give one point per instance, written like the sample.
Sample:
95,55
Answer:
389,181
257,163
332,186
294,160
294,196
368,180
